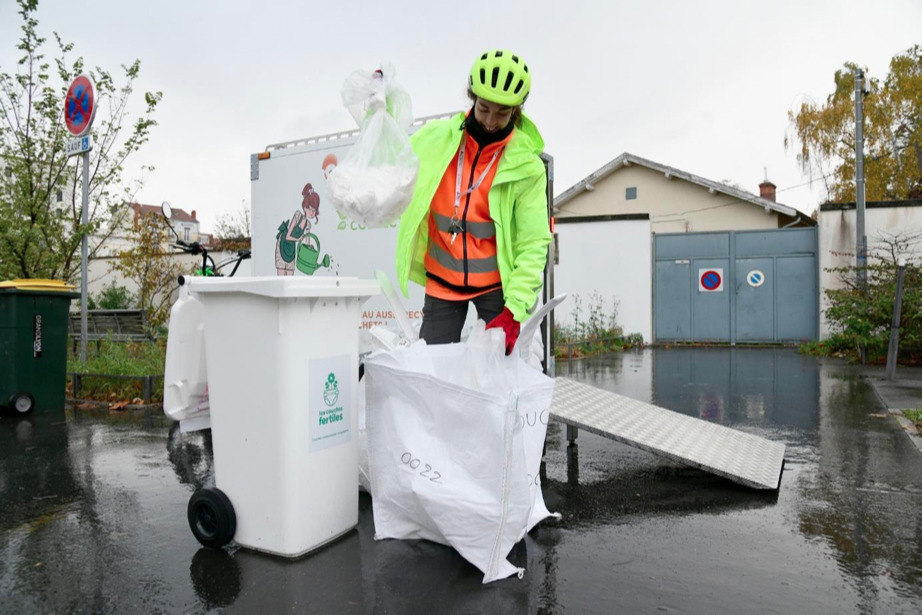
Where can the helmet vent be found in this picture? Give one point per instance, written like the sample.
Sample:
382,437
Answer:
508,81
482,76
494,75
498,54
515,59
484,57
519,87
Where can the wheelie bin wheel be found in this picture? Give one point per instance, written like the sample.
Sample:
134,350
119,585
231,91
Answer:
211,517
22,403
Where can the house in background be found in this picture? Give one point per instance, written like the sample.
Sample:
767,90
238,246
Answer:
678,257
185,224
674,200
100,270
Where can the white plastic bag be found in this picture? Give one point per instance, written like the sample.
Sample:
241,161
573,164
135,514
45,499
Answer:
455,435
374,182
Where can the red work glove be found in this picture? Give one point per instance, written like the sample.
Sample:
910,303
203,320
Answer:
511,328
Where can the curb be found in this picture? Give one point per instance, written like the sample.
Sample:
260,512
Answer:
96,406
905,425
908,427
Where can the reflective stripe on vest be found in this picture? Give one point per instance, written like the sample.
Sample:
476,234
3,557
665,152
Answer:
475,265
467,265
478,230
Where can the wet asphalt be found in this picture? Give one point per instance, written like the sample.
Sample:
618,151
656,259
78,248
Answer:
93,513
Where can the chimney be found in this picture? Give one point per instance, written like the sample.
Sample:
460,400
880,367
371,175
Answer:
768,190
193,214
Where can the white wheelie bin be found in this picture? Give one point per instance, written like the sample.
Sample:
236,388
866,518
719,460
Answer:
283,367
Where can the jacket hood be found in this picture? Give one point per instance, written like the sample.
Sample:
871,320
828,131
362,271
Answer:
529,129
528,138
521,153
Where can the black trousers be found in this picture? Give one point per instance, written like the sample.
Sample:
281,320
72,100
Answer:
443,319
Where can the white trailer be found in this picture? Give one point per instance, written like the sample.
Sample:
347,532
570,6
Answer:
282,175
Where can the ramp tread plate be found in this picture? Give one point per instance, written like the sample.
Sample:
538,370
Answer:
741,457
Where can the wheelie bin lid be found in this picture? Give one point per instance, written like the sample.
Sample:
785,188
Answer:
285,287
37,285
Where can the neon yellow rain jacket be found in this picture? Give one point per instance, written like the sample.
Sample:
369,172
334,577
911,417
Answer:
516,200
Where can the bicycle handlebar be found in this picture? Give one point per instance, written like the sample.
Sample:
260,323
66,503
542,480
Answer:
196,248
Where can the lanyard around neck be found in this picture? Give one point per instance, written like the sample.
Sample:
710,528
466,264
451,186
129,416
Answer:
459,193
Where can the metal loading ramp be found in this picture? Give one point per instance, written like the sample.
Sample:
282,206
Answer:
741,457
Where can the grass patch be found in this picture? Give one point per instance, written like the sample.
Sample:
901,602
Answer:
914,416
119,359
596,346
818,349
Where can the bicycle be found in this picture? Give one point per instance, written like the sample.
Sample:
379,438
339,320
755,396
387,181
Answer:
208,268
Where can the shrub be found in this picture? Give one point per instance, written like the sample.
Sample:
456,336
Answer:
112,297
598,323
862,316
594,330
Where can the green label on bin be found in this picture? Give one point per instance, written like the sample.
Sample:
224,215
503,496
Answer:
328,402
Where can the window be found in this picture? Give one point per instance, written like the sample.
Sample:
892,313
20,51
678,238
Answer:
186,234
59,196
631,193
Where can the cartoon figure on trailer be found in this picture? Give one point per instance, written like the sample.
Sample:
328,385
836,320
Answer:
294,239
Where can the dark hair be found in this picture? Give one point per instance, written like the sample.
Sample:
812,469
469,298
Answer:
516,117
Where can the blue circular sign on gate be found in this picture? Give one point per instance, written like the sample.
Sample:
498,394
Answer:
711,280
756,278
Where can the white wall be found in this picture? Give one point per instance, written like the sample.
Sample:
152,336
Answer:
837,240
101,275
612,258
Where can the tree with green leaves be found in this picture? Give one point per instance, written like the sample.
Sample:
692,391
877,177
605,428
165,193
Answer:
824,135
40,188
150,267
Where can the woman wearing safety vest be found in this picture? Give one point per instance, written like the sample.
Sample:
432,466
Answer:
477,228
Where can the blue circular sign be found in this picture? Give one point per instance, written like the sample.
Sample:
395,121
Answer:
756,278
711,280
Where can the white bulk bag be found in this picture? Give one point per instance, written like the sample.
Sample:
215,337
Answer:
455,435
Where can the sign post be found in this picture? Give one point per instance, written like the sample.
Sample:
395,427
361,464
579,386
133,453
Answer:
79,110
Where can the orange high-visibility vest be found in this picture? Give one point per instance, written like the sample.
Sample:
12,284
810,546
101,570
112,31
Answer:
467,266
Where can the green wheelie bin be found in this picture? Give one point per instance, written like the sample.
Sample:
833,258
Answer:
33,344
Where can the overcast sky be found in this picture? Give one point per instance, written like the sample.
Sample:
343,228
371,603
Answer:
701,86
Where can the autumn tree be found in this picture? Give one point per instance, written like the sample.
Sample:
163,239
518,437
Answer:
824,135
234,224
40,188
151,267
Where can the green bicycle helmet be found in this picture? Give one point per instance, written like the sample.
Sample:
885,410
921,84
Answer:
500,77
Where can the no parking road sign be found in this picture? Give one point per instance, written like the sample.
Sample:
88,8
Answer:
711,280
79,109
80,105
